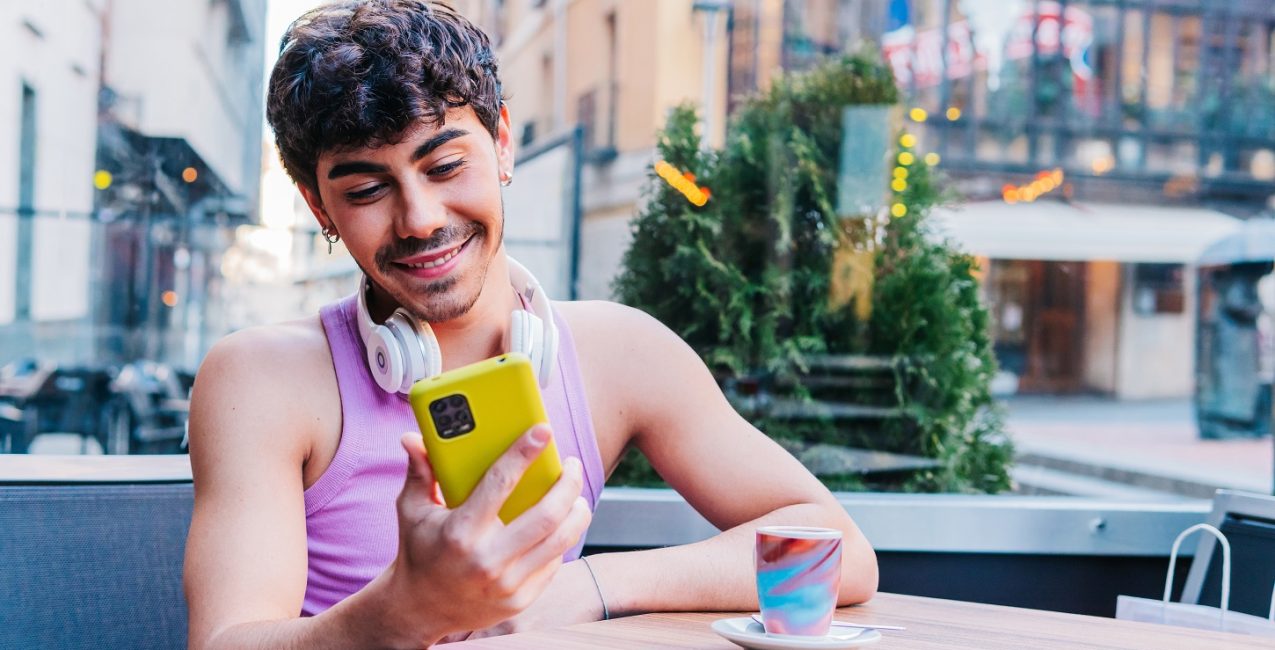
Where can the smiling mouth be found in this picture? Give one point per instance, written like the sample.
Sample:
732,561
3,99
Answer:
438,261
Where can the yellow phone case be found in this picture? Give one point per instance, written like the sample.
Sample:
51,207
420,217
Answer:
502,401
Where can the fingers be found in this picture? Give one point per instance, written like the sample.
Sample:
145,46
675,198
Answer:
419,484
542,519
495,487
541,560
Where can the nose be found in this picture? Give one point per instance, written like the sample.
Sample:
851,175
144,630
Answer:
420,212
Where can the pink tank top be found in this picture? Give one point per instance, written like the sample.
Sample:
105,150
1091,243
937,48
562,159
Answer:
351,522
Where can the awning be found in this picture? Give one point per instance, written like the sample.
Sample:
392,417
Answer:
1252,242
1057,231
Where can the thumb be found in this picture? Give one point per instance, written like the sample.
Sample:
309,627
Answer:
419,482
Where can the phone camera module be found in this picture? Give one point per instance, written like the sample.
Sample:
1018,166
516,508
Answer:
452,416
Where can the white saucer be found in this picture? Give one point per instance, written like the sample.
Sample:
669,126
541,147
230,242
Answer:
747,633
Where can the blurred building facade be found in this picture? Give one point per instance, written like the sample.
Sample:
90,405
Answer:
1159,115
139,150
49,106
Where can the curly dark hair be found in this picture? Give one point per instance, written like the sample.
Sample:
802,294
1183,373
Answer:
358,73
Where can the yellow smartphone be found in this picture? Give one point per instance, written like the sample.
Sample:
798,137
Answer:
471,415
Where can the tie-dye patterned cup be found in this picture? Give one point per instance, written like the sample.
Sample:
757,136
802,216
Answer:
798,576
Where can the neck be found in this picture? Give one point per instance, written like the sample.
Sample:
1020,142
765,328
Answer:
480,332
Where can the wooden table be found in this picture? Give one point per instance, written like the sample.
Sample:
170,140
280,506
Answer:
931,623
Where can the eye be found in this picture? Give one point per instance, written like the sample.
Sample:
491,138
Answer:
444,170
365,193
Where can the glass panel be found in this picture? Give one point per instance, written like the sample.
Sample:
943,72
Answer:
819,163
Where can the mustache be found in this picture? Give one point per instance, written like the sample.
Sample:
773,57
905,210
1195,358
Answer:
446,236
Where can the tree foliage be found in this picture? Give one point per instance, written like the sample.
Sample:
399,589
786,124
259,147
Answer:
745,278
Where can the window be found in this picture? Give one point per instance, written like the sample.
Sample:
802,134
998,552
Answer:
1158,289
26,204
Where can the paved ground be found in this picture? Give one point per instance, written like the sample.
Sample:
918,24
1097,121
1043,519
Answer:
1141,438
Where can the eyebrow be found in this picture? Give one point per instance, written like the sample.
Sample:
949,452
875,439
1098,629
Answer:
365,167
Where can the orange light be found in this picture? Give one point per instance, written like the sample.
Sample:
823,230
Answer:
1011,194
169,298
683,182
189,174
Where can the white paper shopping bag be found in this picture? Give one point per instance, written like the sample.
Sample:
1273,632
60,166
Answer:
1202,617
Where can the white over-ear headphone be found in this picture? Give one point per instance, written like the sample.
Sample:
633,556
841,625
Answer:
402,350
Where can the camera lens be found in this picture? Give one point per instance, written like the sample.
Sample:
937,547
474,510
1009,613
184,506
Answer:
438,406
443,420
456,401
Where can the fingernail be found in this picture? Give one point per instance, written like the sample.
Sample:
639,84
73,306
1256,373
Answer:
572,464
584,503
540,435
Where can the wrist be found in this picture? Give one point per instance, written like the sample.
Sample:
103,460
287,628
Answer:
605,613
382,615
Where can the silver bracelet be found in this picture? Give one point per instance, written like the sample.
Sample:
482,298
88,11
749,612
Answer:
606,614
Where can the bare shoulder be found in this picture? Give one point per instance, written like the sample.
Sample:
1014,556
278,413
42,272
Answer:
264,388
634,367
606,329
269,360
269,348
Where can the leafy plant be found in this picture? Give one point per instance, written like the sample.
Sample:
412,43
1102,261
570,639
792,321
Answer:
745,279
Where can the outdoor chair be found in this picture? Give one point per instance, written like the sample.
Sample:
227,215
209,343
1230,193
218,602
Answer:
93,565
1248,521
51,400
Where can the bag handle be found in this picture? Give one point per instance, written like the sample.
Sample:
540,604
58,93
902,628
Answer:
1226,567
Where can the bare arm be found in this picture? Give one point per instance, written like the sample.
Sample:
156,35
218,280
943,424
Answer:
246,552
730,472
668,406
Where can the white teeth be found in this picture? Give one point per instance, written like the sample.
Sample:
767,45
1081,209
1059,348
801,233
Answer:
438,262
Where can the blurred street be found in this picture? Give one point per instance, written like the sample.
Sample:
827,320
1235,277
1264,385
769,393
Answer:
1092,446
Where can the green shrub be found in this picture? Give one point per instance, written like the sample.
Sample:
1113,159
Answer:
745,280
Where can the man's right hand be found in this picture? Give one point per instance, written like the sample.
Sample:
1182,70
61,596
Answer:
465,568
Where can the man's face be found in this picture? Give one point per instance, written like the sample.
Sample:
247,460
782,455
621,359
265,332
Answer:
423,217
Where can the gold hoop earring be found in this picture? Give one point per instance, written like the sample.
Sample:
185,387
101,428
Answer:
332,236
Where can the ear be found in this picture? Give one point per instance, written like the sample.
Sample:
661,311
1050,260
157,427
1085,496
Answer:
315,203
504,141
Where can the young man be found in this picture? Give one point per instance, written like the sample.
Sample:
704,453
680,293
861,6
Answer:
316,522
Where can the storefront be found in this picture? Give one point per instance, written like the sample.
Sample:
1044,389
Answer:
1090,298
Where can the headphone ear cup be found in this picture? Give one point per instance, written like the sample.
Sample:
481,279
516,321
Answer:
519,333
414,364
433,355
385,358
525,333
